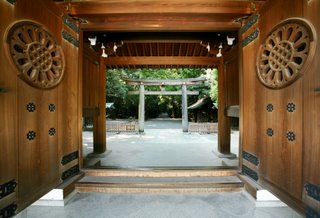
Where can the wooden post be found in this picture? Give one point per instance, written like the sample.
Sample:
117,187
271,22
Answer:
184,109
141,108
99,131
223,121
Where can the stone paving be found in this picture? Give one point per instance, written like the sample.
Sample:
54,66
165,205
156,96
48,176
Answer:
198,205
163,144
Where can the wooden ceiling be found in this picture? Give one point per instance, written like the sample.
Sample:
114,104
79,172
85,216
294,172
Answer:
165,33
161,49
162,15
161,55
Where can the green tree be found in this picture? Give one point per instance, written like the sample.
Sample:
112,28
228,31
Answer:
117,93
214,87
127,105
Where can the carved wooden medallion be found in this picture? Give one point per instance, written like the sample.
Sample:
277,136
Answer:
286,53
36,54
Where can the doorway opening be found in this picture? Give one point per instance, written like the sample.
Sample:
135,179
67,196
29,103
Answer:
164,140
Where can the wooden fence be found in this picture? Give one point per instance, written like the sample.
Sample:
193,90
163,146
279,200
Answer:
122,126
203,127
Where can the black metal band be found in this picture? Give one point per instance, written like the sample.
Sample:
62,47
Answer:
250,157
70,172
251,37
70,24
7,188
249,172
67,36
69,157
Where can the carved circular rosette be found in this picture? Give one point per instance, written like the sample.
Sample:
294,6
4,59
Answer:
286,53
34,51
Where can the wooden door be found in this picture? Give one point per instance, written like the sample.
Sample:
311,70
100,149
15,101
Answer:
8,121
279,101
40,113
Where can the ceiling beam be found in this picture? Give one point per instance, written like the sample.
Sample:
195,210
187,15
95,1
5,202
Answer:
136,25
161,60
91,7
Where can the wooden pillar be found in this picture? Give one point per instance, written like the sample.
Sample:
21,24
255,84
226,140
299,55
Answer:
223,121
184,109
141,108
99,131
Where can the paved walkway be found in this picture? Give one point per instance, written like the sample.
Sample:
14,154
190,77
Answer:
201,205
163,144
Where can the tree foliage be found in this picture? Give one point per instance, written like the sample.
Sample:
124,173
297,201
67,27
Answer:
213,93
127,105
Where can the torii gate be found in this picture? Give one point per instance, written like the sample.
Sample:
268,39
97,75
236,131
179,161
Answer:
163,82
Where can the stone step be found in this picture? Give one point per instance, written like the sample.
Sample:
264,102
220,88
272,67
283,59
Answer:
161,172
159,184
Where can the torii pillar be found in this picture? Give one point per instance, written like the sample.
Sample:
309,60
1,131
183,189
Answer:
184,108
141,108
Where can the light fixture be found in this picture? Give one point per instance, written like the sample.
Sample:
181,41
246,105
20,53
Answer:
104,54
114,47
230,40
93,40
208,47
219,54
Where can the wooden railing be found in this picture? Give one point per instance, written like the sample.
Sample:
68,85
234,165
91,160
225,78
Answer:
203,127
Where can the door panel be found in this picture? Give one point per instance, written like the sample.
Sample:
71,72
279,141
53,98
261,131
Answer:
38,141
311,116
280,124
39,126
249,99
8,120
281,155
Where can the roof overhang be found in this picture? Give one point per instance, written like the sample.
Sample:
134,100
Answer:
160,34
